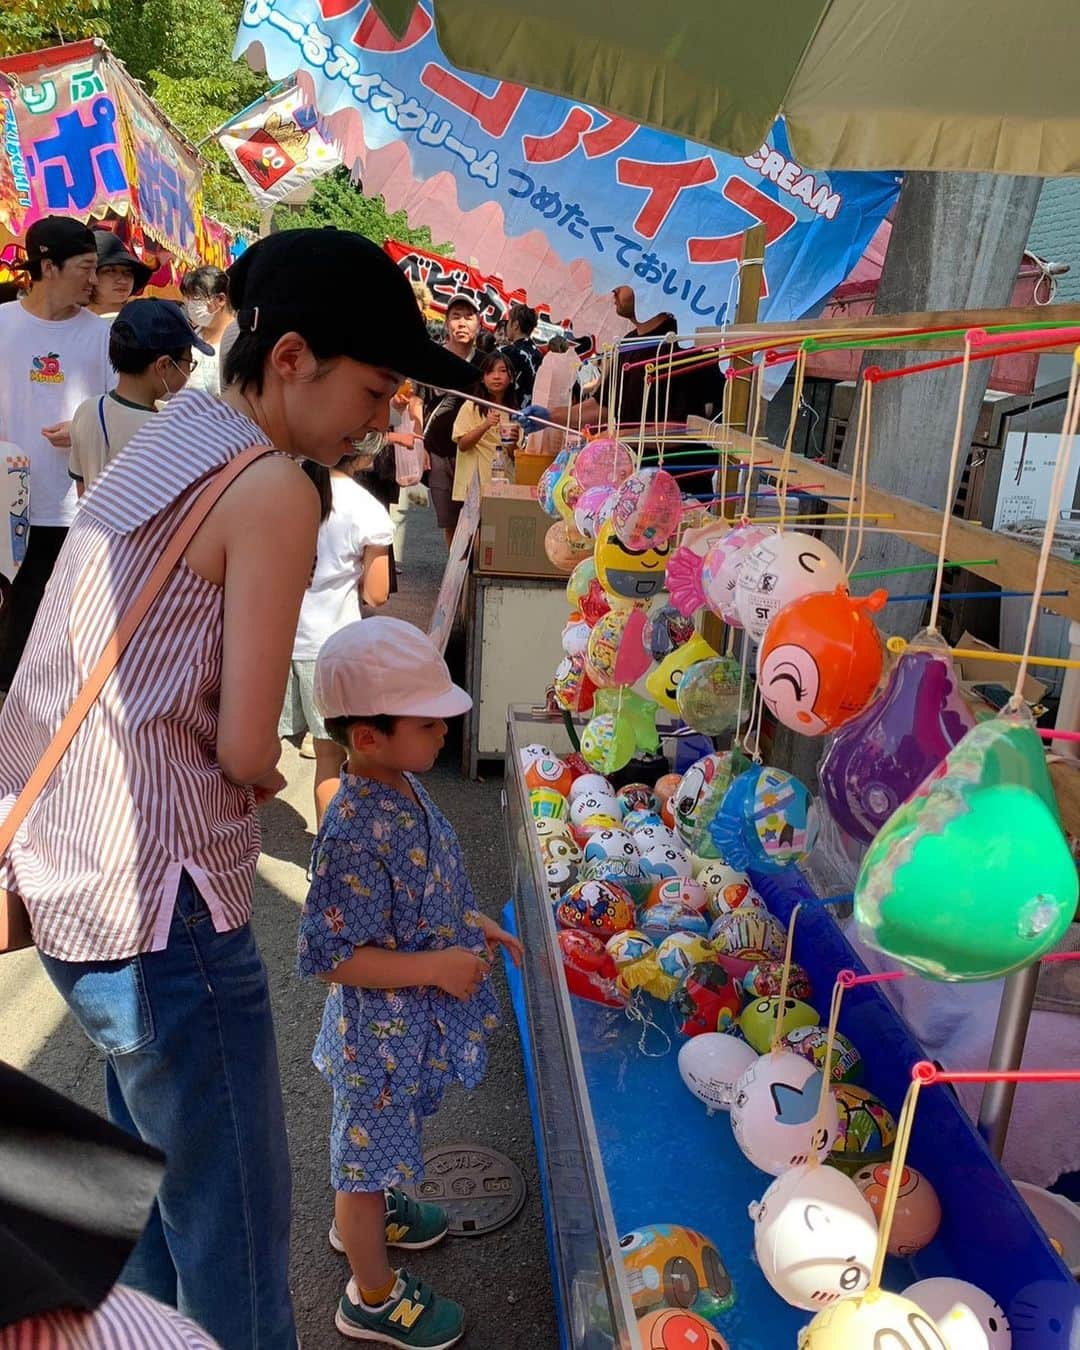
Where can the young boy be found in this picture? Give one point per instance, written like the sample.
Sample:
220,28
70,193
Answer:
150,349
390,924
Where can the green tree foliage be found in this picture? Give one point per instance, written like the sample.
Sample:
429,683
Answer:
26,25
336,201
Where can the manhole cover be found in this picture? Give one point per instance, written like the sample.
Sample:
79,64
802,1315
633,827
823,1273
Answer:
480,1189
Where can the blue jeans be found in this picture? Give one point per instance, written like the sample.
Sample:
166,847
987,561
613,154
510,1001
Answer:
192,1068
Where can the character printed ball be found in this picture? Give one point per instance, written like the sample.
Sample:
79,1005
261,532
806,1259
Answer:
550,826
711,1064
660,861
779,569
666,785
647,509
628,947
707,1000
917,1215
678,1329
749,930
774,1110
534,750
629,573
656,833
721,566
964,1314
637,820
866,1129
677,953
659,920
549,773
766,821
561,859
763,981
698,799
679,891
636,797
671,1266
592,783
810,1041
590,803
761,1018
726,887
608,743
878,1319
596,906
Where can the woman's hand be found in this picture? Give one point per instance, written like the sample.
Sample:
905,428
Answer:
492,419
459,972
497,937
58,435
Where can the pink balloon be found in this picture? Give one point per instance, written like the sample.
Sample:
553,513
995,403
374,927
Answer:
720,569
647,510
603,463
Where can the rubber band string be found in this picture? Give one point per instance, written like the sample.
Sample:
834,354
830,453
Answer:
749,469
778,1030
896,1172
826,1071
954,459
863,418
785,463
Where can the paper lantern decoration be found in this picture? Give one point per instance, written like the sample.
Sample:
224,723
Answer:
663,683
872,1320
865,1130
779,569
758,1020
534,750
590,972
666,785
614,652
711,1064
820,660
749,930
547,802
917,1214
592,509
678,1329
697,800
708,696
596,906
626,573
814,1237
647,509
549,772
564,550
766,821
607,743
773,1113
877,760
967,1317
593,785
671,917
708,999
763,981
811,1041
574,691
665,628
628,947
667,1264
683,891
603,463
972,878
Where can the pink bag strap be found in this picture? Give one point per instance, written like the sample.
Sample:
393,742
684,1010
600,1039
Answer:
125,631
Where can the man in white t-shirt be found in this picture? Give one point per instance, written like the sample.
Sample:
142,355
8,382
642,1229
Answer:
352,568
53,355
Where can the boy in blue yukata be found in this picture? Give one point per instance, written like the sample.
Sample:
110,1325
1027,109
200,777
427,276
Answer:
391,924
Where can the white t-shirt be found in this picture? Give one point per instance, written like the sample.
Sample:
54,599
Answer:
207,373
332,600
92,445
47,368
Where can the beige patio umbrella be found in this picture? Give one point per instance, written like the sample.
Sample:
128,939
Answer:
986,85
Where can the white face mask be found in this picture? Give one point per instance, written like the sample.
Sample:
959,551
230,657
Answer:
198,311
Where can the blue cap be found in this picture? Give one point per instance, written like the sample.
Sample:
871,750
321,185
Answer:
158,326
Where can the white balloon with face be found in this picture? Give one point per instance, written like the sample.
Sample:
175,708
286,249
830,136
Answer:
593,804
780,569
967,1317
711,1064
661,861
814,1236
534,751
595,783
648,835
774,1113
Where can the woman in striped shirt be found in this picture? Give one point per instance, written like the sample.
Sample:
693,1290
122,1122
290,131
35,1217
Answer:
137,861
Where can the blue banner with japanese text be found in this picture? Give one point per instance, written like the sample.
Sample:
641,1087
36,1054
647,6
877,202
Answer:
642,207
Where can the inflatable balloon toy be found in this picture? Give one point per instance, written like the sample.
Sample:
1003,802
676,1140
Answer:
866,1130
811,1040
763,981
877,760
972,877
633,712
592,825
678,1329
628,574
708,696
874,1319
611,855
647,976
574,691
592,802
678,952
602,907
711,1064
708,1000
661,862
591,783
592,509
584,594
766,821
663,682
603,463
564,551
647,510
820,660
614,653
779,569
665,786
547,802
636,797
758,1020
815,1237
545,486
671,917
549,773
566,494
561,859
551,827
534,750
628,947
647,835
697,799
726,888
665,628
749,930
667,1264
774,1113
637,820
588,969
575,635
917,1213
967,1317
684,891
709,580
607,744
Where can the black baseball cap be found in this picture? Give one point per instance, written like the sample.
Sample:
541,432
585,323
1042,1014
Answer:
319,283
158,326
58,238
111,252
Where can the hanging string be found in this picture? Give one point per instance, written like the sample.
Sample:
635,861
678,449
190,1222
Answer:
892,1190
785,464
954,459
754,727
830,1043
1053,510
863,484
744,653
672,349
865,395
635,1014
759,371
778,1030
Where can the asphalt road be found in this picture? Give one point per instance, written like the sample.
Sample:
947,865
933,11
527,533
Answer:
502,1279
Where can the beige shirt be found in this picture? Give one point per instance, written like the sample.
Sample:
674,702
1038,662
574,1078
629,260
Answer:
481,457
92,446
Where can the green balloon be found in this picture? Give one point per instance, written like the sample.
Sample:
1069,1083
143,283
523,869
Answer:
972,877
758,1020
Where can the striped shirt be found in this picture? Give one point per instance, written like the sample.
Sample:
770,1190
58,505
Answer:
139,796
126,1320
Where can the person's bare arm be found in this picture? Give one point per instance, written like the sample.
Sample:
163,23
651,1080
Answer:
468,440
268,529
375,582
457,970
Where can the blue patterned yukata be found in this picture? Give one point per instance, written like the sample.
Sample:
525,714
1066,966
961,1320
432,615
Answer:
389,873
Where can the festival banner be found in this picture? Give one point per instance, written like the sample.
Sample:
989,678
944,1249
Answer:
15,198
278,145
620,202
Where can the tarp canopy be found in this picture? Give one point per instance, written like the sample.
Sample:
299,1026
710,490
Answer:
863,84
560,198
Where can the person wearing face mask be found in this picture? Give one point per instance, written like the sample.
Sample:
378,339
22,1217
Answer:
206,303
150,350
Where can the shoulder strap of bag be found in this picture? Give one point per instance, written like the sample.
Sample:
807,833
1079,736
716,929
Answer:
125,631
101,419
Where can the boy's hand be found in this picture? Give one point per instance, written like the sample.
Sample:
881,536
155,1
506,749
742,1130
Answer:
58,435
497,937
460,972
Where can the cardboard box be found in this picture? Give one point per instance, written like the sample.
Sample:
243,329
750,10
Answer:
973,671
512,530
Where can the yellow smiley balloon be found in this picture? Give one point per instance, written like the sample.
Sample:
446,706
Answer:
663,683
629,574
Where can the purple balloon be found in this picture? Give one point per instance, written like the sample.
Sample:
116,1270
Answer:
878,759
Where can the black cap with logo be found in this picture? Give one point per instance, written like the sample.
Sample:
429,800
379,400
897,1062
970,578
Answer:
345,289
58,238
